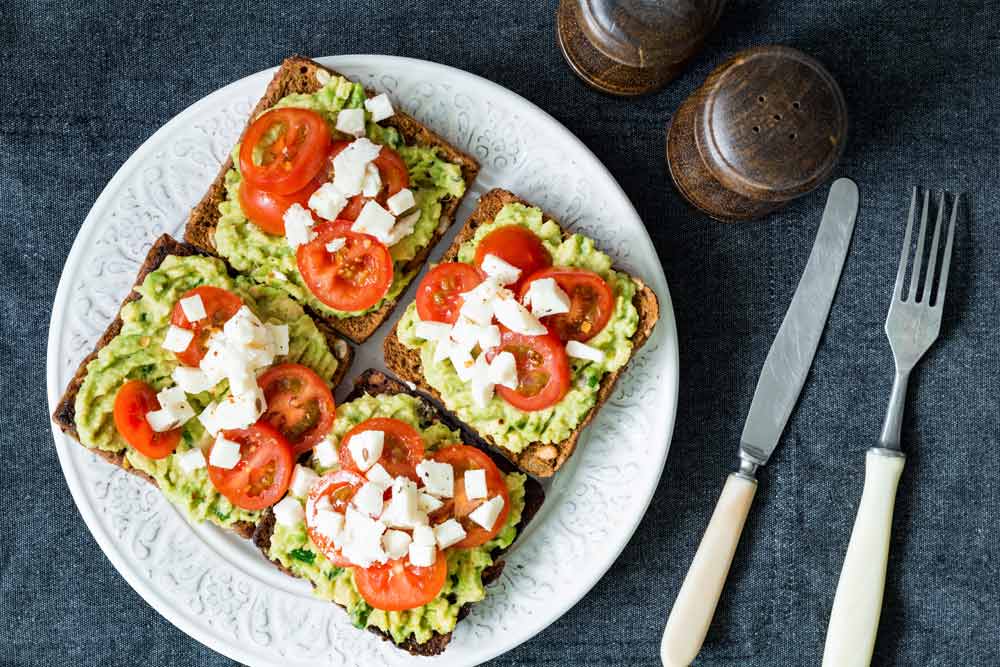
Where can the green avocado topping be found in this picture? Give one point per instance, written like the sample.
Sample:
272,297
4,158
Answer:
268,259
136,353
507,425
292,547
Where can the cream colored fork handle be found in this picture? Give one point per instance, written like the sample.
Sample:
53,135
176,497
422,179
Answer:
850,639
694,607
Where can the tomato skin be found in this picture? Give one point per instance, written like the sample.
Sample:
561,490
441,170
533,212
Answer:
462,458
340,486
397,585
267,209
293,157
542,370
220,305
133,401
354,278
264,471
516,245
300,405
402,451
392,170
438,295
592,303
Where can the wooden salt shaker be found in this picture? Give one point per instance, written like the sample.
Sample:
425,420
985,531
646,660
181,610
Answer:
767,126
631,47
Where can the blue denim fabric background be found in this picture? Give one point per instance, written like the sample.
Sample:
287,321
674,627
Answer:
84,83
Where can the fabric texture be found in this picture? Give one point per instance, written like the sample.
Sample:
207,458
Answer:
85,83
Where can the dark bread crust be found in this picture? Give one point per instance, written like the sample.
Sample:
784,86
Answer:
298,75
65,413
374,382
537,458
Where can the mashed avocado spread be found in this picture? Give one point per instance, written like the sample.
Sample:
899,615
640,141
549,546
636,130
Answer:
269,260
136,354
509,426
292,547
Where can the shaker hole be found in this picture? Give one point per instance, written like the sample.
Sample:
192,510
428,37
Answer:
792,136
756,128
777,116
761,99
796,105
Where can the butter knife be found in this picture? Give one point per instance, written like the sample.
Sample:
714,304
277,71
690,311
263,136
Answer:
778,388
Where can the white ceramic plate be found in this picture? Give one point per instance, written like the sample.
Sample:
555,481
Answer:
216,587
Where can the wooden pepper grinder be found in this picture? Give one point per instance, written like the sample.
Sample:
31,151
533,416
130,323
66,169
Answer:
768,125
631,47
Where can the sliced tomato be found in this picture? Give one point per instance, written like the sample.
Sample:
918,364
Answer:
462,458
355,277
134,400
543,374
438,296
398,585
515,245
402,450
267,209
284,149
262,476
299,405
392,170
220,305
339,488
591,302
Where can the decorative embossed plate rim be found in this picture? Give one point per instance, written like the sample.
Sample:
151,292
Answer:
214,586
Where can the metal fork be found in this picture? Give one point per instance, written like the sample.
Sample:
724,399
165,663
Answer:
913,324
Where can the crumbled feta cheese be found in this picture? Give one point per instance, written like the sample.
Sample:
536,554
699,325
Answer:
191,460
503,370
475,484
481,386
396,543
477,303
422,556
279,337
401,202
325,453
208,420
380,107
438,478
403,509
336,244
489,337
225,454
575,348
403,228
366,448
486,514
289,512
429,503
349,165
465,333
362,539
372,182
329,524
424,536
193,307
463,363
546,297
174,410
240,411
378,475
516,317
302,480
351,121
448,533
368,499
374,220
192,380
503,271
161,420
177,339
327,201
431,330
298,225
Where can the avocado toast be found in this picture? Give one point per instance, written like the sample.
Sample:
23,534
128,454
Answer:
131,349
538,439
425,630
437,176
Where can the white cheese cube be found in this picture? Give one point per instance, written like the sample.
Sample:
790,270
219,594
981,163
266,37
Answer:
431,330
242,382
298,226
336,244
193,307
486,514
516,317
463,363
161,420
403,510
396,543
375,221
475,484
503,370
422,556
302,480
424,536
279,337
177,339
208,420
428,503
349,166
465,333
546,297
289,512
192,380
191,460
380,107
240,411
489,337
325,453
575,348
372,181
368,499
378,475
366,448
245,328
362,539
329,524
351,121
327,201
442,350
174,410
403,228
481,387
504,272
448,533
225,454
477,303
438,478
401,202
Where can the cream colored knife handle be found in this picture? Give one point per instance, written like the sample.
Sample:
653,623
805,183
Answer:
850,639
694,607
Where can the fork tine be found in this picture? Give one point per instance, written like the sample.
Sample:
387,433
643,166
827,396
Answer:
918,261
932,258
904,258
946,259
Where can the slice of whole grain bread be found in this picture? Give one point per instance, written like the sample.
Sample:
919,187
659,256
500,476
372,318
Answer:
376,383
299,75
65,413
537,458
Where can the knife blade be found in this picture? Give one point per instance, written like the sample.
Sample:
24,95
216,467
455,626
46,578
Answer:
781,380
791,355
